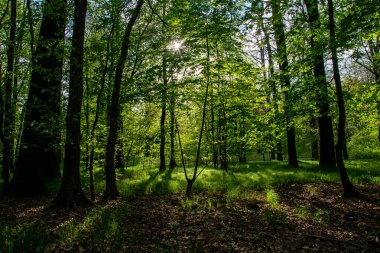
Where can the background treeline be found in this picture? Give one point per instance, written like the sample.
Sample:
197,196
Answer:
177,83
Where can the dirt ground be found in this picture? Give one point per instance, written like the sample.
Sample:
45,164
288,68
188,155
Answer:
310,217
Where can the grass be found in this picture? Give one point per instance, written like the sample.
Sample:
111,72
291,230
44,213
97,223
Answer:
252,175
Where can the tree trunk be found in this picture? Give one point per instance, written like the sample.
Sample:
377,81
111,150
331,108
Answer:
8,114
349,189
326,133
273,88
314,139
162,127
191,181
279,31
39,155
213,146
163,98
71,193
172,163
119,155
111,191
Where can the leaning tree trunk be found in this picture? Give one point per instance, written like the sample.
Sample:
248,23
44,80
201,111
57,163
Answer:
39,155
8,114
349,189
279,31
111,191
71,193
326,133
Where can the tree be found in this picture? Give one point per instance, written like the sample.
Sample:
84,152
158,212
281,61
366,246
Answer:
114,110
71,193
163,96
39,155
349,189
326,134
279,31
8,115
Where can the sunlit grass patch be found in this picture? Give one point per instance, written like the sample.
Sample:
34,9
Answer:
139,180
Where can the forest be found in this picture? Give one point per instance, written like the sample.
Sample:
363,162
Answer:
189,126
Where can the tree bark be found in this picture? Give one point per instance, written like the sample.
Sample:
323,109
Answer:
8,113
273,88
314,139
163,98
111,191
71,193
326,133
163,117
190,181
279,31
39,155
172,163
349,189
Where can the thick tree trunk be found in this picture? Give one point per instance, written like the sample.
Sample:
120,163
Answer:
39,155
8,113
279,31
111,191
326,133
349,189
71,193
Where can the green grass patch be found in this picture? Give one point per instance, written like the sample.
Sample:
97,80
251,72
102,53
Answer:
139,180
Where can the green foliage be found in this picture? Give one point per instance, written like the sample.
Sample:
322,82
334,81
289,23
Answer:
272,198
316,214
68,232
27,237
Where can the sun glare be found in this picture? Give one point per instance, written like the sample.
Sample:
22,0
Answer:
175,45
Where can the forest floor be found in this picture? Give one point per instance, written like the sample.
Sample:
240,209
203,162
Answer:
299,217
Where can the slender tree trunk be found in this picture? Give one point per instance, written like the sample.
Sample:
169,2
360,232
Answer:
326,133
172,163
242,144
349,189
111,191
8,114
273,88
71,193
97,114
119,155
162,122
279,31
163,98
190,181
314,139
213,146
